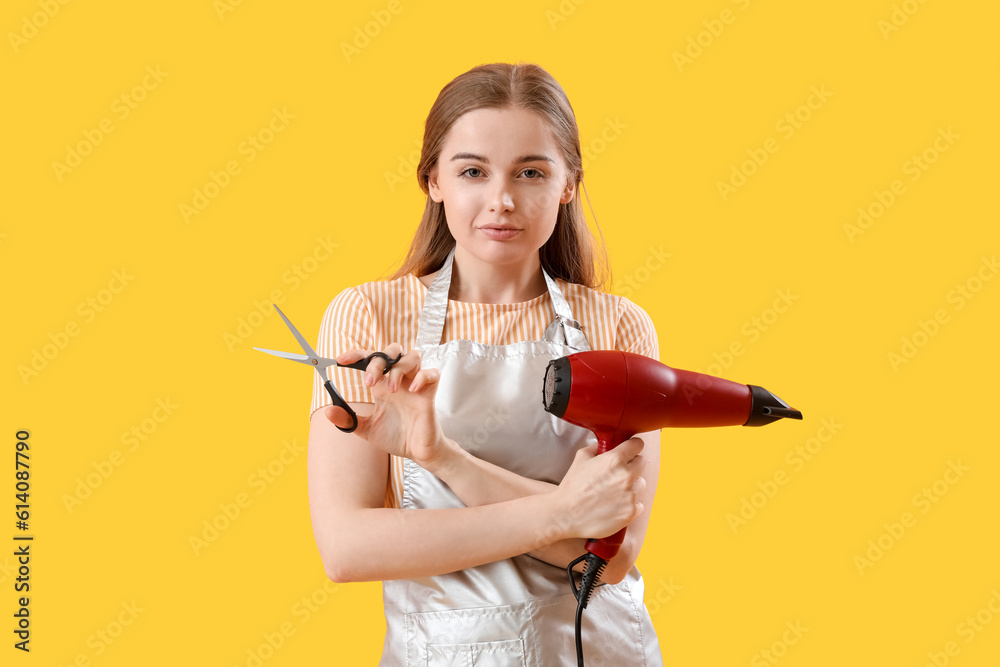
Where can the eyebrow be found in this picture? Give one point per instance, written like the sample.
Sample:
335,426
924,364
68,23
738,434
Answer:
484,160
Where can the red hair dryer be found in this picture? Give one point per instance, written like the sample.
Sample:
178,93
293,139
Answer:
618,394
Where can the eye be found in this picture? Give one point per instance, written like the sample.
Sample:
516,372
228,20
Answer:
533,173
471,172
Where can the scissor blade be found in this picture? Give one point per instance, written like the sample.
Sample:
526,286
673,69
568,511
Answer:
302,341
287,355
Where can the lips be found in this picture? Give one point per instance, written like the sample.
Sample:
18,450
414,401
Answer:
500,232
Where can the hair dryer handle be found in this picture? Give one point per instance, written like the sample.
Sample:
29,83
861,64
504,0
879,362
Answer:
606,547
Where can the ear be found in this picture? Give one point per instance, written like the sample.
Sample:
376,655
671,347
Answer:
432,186
567,194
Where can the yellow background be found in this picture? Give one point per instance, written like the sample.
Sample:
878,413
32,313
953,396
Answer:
717,597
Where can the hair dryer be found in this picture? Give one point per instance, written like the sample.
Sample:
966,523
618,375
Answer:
618,394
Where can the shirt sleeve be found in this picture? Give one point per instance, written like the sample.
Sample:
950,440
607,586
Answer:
346,325
636,332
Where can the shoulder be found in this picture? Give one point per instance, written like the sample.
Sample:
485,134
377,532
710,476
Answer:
615,321
377,309
374,294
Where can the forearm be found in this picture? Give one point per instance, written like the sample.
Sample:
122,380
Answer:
368,544
477,482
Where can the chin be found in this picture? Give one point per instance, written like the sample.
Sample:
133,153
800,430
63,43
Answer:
501,252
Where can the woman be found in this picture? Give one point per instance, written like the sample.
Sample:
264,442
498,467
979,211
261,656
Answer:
499,268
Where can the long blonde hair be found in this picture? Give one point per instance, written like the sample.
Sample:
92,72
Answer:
569,254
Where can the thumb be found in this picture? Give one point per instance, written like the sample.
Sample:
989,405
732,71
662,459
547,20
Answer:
341,418
585,453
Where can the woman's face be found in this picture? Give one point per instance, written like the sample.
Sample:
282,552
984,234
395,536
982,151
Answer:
501,177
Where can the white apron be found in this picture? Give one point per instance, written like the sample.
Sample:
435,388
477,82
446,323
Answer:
517,612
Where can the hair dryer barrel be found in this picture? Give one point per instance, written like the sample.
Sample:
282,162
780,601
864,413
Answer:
618,394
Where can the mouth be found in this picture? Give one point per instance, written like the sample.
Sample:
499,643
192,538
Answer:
500,232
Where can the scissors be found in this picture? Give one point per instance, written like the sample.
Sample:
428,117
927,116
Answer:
322,363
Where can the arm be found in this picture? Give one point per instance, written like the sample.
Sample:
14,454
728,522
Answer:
360,540
477,482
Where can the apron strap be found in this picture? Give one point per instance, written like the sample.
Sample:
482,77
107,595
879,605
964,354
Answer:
430,327
563,329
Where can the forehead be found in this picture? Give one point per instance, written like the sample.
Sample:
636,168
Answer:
500,134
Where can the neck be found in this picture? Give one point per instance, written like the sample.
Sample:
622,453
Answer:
475,281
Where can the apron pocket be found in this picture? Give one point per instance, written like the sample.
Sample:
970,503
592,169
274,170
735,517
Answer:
504,653
501,636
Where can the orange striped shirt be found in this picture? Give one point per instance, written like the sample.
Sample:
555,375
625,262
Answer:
375,314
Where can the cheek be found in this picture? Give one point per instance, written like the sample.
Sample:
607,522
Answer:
543,204
461,202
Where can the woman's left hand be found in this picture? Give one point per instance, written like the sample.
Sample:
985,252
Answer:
403,422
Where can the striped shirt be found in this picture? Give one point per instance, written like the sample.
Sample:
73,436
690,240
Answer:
375,314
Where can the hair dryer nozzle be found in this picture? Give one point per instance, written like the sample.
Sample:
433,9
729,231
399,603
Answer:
555,390
766,408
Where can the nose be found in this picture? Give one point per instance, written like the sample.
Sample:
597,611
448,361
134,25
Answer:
501,198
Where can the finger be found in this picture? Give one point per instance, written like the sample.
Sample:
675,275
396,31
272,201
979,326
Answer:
424,378
340,417
350,356
376,367
588,452
407,365
629,449
637,464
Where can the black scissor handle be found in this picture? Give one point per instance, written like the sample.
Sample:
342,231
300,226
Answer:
362,364
359,365
339,401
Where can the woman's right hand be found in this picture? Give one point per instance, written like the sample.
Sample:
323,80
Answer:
601,494
403,421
